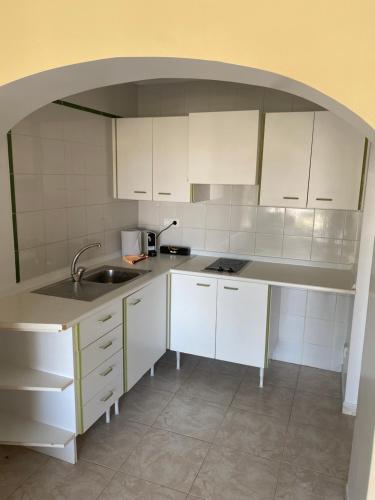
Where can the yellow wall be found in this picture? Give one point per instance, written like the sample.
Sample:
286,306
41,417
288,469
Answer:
329,45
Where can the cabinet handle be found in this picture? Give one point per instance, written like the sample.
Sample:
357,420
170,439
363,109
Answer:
107,318
203,284
140,192
109,395
324,199
107,372
230,288
105,346
290,197
136,302
165,194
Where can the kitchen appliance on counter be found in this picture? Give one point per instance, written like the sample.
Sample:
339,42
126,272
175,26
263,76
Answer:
174,250
224,265
149,243
131,242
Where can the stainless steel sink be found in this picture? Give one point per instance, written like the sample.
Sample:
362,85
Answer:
94,283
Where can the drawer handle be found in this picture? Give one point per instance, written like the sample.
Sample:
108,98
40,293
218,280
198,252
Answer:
109,395
105,346
136,302
140,192
324,199
203,284
165,194
291,197
107,372
107,318
230,288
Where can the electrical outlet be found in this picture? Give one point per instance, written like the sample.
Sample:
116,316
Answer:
169,220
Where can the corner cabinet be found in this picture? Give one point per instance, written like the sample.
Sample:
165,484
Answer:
150,160
220,318
223,147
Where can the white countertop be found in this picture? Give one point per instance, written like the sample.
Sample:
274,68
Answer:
26,311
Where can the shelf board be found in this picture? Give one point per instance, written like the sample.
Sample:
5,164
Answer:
21,378
15,430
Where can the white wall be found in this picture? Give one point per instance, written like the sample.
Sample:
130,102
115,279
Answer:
361,483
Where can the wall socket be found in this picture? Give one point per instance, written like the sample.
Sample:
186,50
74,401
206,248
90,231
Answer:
169,220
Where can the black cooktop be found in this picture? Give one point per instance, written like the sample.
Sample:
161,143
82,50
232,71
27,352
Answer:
224,265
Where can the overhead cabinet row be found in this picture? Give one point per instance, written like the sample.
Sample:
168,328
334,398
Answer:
311,159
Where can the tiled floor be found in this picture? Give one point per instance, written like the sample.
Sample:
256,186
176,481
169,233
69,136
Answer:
204,432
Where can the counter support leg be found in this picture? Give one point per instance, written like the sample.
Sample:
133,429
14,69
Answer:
152,371
108,416
178,360
117,409
261,377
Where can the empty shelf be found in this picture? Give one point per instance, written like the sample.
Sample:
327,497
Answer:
15,430
21,378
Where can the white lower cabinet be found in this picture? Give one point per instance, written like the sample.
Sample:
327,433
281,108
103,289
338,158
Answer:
220,318
145,329
241,331
193,314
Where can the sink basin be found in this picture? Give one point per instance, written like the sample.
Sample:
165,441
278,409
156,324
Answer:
94,283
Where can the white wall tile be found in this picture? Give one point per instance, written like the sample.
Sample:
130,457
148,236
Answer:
293,301
148,213
220,194
56,255
32,262
326,250
268,245
329,223
27,154
75,158
217,216
112,241
55,225
242,243
299,221
217,241
29,192
98,189
297,247
290,343
270,220
75,190
45,122
172,236
54,191
319,331
194,215
348,252
30,229
74,245
95,219
77,224
245,195
52,156
243,218
321,305
316,356
193,237
352,226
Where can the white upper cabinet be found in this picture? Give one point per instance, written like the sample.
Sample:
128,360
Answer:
223,147
170,159
133,154
336,164
286,159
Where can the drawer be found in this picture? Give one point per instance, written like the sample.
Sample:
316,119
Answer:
99,323
101,402
99,351
104,374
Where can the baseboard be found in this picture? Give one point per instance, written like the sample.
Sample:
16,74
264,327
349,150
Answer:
349,408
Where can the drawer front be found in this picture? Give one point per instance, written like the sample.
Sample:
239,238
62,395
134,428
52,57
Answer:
101,402
99,323
104,374
102,349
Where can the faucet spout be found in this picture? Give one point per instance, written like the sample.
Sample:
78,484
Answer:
77,273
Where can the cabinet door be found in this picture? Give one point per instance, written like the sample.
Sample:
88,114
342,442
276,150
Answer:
223,147
134,158
145,329
193,314
336,164
241,332
286,159
170,159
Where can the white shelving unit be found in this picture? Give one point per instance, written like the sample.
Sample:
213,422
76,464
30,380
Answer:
20,378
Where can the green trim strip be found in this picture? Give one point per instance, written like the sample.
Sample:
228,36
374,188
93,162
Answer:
84,108
363,175
14,210
125,343
268,326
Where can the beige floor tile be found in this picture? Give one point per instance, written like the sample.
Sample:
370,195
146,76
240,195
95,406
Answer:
192,417
321,411
270,400
233,475
214,387
218,366
16,465
318,449
166,377
167,459
144,404
300,484
124,487
110,444
278,373
254,433
58,480
322,382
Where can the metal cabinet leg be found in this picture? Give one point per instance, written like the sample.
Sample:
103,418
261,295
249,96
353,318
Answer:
117,409
261,377
178,360
108,416
152,371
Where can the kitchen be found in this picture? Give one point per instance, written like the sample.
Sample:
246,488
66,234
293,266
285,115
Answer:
303,253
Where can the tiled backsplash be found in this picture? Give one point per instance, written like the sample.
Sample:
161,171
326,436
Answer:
232,223
63,186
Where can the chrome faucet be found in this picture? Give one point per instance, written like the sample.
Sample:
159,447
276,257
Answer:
77,273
